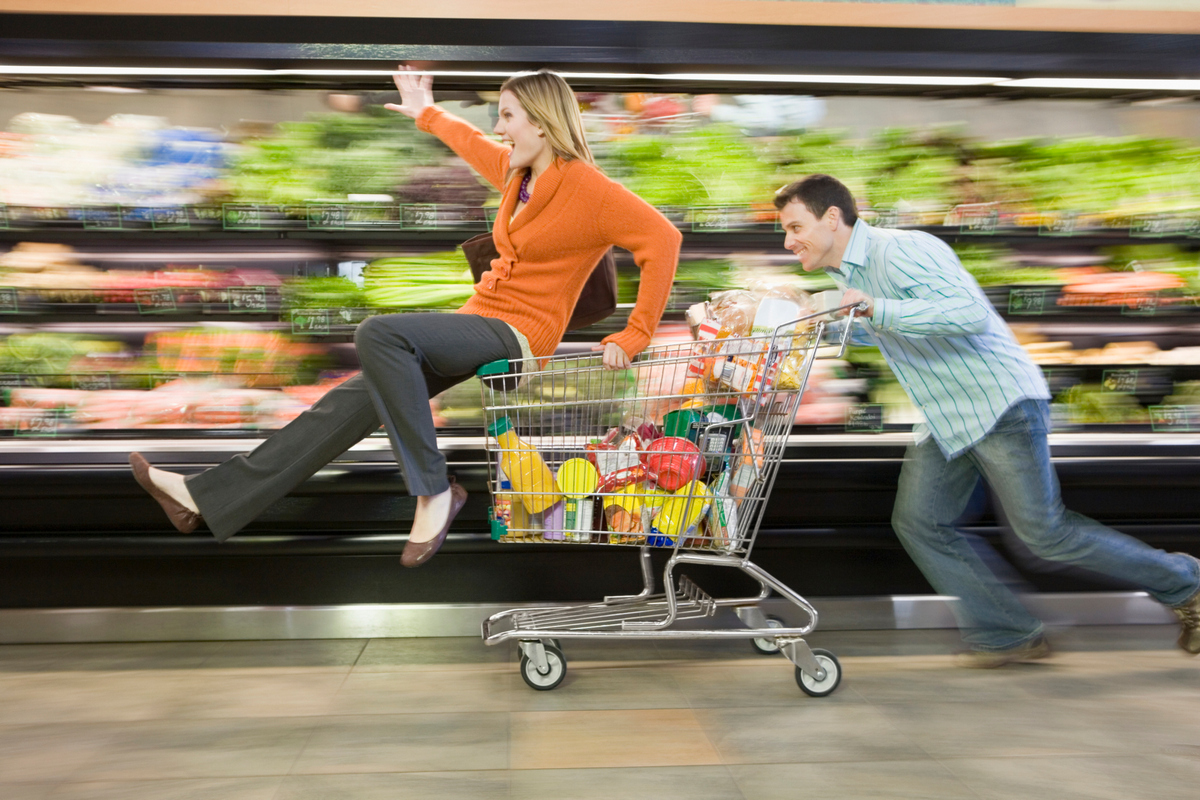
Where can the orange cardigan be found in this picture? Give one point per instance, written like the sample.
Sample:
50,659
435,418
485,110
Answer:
549,250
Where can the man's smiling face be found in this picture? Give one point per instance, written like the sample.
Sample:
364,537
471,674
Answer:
811,239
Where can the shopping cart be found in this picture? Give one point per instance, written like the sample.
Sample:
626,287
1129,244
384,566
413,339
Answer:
680,453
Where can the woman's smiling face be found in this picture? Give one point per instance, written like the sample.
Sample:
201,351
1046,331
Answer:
515,128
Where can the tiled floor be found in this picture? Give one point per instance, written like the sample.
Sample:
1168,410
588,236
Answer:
1116,714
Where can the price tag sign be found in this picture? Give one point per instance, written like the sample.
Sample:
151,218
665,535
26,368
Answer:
240,217
419,216
8,301
711,220
44,424
102,218
980,223
248,299
867,418
327,217
1160,225
1121,381
154,301
888,218
170,218
1026,301
91,381
1062,225
311,321
1141,306
1170,419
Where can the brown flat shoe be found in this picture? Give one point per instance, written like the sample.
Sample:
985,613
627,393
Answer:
417,553
183,518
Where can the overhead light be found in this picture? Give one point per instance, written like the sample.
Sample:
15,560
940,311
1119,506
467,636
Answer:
1103,84
874,80
1095,84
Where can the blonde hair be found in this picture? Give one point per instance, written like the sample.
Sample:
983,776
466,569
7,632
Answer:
550,104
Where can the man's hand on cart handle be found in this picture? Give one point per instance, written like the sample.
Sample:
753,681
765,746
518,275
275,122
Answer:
852,296
416,91
614,356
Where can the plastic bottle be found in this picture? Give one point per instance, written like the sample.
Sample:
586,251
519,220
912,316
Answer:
531,479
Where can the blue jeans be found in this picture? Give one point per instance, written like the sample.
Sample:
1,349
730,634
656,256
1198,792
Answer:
1014,459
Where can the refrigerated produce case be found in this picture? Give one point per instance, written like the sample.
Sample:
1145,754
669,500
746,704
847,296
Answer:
181,291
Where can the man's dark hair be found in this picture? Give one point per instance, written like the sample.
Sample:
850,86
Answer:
819,193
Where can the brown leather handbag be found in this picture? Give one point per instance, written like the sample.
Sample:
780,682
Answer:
597,301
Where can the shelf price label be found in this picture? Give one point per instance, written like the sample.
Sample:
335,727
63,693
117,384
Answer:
1061,225
1146,305
1120,381
8,301
888,218
43,424
102,218
982,222
866,418
154,301
712,219
241,217
248,299
167,218
311,321
327,217
1170,419
419,216
1026,301
91,381
1160,225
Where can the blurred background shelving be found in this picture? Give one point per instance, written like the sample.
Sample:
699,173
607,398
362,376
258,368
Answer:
184,256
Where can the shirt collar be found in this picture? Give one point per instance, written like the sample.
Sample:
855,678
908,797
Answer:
856,251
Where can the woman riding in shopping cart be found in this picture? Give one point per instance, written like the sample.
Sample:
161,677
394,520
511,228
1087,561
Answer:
558,215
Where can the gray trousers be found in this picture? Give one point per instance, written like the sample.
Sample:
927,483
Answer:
406,359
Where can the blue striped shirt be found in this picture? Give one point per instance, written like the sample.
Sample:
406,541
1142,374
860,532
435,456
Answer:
953,354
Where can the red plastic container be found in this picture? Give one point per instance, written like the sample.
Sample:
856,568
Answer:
673,462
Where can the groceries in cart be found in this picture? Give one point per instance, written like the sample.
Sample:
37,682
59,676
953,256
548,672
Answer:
675,454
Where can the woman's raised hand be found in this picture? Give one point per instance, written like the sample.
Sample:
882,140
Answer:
416,91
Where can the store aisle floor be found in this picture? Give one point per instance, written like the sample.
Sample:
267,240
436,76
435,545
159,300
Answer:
1116,714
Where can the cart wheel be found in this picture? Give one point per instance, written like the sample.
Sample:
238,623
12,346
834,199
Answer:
768,647
833,675
556,670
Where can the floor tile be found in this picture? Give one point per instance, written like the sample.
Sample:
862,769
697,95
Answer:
302,654
406,743
105,656
433,655
1109,777
596,686
1003,729
745,684
909,679
808,729
26,791
49,753
215,694
938,641
197,789
92,696
625,738
423,692
660,783
175,749
397,786
871,780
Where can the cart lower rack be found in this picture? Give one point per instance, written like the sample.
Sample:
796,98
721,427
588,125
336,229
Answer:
678,453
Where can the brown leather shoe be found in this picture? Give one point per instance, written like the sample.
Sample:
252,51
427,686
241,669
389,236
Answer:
183,518
417,553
